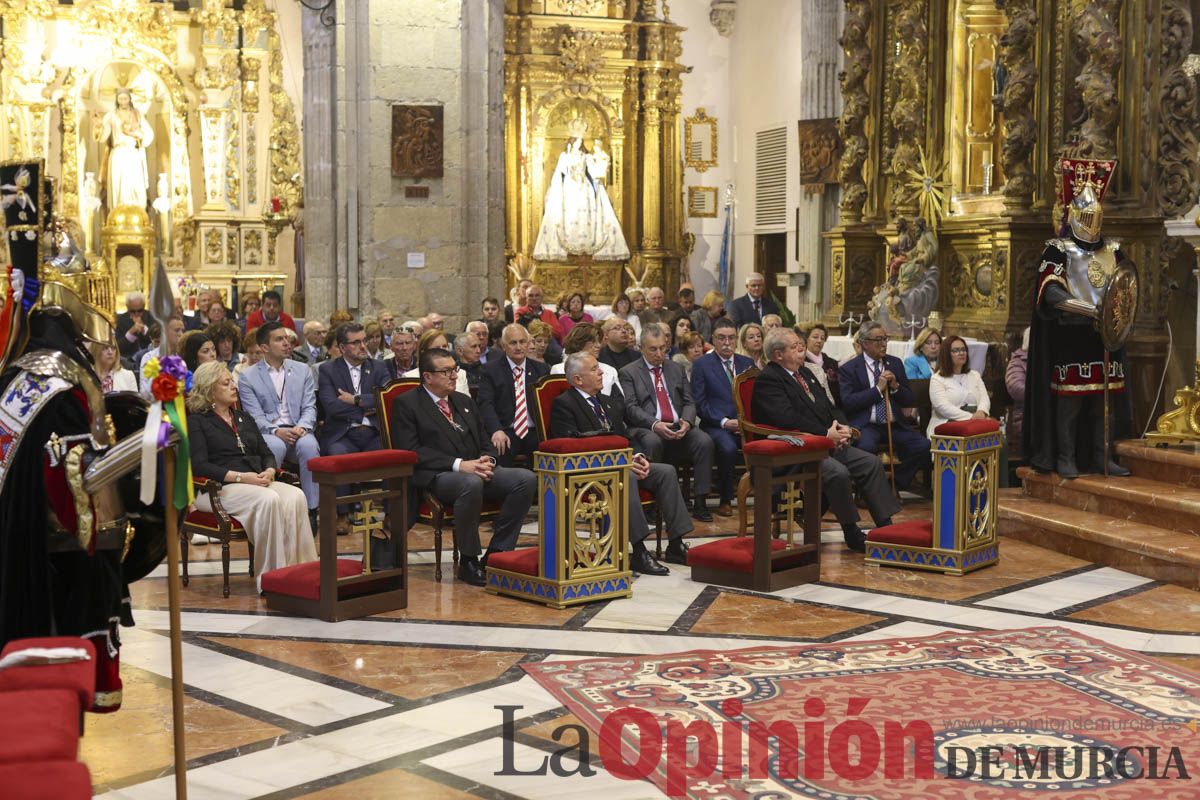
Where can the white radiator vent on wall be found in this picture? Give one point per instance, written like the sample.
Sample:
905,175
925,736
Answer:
770,178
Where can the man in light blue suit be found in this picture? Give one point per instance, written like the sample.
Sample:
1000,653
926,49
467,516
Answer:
712,388
280,395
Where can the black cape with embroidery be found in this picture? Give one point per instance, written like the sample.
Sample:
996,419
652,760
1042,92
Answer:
1038,439
67,593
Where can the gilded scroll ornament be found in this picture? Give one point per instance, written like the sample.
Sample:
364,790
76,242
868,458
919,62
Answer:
908,113
130,26
214,246
1094,31
287,181
253,248
233,164
217,22
251,159
256,19
1179,181
1016,80
579,58
855,102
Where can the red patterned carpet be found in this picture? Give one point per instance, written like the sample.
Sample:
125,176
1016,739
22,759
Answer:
1039,712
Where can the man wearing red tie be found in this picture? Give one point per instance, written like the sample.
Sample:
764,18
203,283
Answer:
662,415
455,461
787,395
754,304
506,396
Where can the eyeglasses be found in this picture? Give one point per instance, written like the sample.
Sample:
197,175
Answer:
958,351
447,371
878,339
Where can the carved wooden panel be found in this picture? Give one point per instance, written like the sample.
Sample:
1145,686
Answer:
820,151
418,139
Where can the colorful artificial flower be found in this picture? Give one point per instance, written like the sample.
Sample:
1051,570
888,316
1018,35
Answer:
174,366
151,369
164,388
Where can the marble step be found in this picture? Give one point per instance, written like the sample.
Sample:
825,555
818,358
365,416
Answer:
1135,547
1162,505
1176,464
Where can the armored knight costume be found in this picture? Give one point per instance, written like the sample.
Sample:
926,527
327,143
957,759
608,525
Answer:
1064,397
68,545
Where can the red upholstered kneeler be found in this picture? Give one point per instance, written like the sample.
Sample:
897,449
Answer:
334,589
77,676
45,780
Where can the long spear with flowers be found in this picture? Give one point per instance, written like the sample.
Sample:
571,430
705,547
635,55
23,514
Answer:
170,381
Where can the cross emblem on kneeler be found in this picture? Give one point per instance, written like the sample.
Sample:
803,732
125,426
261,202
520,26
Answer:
366,520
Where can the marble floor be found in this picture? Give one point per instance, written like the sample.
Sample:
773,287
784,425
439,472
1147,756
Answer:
404,704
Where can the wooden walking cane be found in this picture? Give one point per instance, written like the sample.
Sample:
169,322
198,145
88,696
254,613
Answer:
173,603
887,408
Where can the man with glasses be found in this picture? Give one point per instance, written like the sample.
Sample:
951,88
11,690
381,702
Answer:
712,388
506,396
346,390
457,462
873,388
133,326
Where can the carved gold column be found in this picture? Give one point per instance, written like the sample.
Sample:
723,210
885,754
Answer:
1095,32
855,104
1017,57
908,113
651,164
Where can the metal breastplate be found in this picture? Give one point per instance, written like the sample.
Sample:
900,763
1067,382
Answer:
1089,270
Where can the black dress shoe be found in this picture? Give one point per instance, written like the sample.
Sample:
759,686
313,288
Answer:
642,562
856,540
469,571
701,513
677,552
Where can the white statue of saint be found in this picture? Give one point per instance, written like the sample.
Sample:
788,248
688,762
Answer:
126,135
578,217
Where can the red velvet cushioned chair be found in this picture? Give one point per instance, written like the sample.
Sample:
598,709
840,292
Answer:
546,391
78,676
430,510
764,562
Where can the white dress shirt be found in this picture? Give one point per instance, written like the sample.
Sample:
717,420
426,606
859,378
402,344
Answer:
279,381
356,382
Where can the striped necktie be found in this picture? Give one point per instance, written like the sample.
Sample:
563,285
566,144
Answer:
521,422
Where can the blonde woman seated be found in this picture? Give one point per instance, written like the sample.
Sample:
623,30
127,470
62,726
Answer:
956,391
227,447
750,344
113,377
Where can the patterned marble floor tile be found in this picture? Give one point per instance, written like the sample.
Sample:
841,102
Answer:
137,740
410,672
390,784
761,616
1163,608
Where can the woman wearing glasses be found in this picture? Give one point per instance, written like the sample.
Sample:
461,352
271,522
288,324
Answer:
956,391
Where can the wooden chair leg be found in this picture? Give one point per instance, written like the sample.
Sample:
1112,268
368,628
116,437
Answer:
225,562
743,497
250,547
437,547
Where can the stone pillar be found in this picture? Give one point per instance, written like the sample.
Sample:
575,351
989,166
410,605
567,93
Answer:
322,289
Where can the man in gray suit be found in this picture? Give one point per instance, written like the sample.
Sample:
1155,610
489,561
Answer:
662,415
280,395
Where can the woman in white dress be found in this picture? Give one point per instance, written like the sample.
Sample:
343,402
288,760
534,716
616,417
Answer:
126,134
227,447
113,377
579,217
956,391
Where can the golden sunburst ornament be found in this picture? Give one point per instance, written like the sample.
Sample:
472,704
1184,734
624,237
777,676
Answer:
928,185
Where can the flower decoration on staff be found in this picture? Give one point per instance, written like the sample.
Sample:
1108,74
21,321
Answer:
170,381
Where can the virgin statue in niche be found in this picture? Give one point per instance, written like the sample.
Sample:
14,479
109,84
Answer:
124,176
578,217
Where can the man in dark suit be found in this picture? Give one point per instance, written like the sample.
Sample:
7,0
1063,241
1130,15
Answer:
133,326
618,350
872,382
506,396
583,411
662,415
754,304
346,391
787,395
712,388
199,320
456,462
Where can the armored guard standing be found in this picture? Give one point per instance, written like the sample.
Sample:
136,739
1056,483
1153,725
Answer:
1065,397
69,541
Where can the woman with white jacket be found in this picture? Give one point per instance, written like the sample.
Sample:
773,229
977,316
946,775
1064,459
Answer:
956,391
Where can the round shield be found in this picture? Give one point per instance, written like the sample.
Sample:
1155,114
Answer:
1119,306
149,545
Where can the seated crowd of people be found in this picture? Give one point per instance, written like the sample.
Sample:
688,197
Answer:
269,395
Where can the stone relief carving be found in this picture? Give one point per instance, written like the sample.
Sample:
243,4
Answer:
722,14
1094,32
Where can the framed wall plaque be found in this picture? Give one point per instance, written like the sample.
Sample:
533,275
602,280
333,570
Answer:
820,151
418,138
702,201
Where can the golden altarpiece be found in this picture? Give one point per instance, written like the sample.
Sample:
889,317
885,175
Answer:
965,106
615,65
219,151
